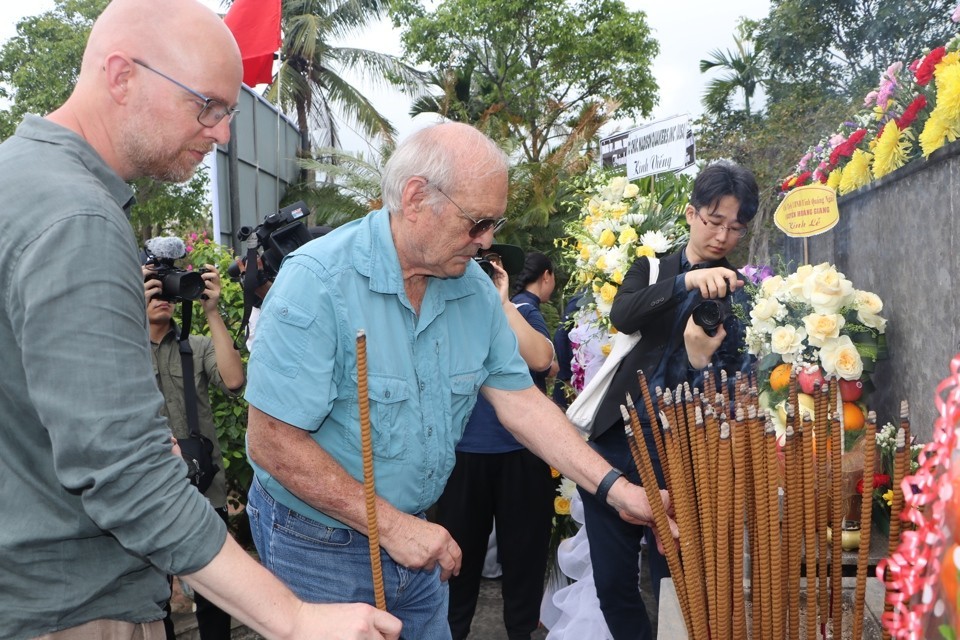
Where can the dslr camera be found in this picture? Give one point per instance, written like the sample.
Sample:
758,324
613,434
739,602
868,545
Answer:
177,284
711,313
275,237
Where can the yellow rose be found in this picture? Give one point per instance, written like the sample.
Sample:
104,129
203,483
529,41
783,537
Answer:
618,210
822,326
593,207
617,276
627,236
602,263
561,506
584,253
607,239
606,349
765,309
607,292
644,251
840,357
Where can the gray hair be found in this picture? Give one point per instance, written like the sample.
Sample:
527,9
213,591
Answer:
444,155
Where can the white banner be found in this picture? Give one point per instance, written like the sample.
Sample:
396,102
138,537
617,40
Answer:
666,145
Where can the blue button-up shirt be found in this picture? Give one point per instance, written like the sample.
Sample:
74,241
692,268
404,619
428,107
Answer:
424,372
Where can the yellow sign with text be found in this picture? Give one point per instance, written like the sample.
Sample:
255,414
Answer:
807,211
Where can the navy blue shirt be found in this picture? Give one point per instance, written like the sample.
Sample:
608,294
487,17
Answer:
484,433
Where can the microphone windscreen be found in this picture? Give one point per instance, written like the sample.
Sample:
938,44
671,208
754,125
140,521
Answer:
168,248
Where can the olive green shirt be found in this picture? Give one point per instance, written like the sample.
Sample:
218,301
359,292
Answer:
168,367
95,510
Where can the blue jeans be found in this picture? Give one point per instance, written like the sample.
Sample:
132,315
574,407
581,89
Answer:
326,564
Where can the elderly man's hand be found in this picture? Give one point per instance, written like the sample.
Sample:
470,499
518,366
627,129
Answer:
633,506
418,544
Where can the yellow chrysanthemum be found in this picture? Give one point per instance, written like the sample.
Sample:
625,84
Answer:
588,221
833,180
645,251
593,207
618,210
584,252
608,291
948,91
857,172
892,148
936,131
561,506
628,235
617,276
607,239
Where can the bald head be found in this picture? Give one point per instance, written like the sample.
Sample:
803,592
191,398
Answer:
174,34
153,74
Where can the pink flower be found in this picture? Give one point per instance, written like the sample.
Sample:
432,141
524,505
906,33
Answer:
804,160
189,248
193,237
836,140
871,99
956,14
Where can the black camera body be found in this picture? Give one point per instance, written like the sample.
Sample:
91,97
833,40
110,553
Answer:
177,284
486,264
278,234
710,314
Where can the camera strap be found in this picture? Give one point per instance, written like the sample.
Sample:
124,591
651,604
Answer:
186,361
250,283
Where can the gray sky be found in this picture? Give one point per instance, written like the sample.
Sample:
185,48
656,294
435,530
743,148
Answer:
686,29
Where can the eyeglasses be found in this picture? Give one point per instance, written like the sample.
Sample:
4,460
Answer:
480,226
716,227
213,110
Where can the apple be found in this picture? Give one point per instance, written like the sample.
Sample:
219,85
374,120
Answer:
809,376
850,390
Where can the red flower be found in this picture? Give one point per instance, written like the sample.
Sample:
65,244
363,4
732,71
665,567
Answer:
845,149
803,178
910,113
924,72
879,480
787,184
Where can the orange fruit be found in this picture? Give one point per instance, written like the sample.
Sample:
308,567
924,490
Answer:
853,417
780,376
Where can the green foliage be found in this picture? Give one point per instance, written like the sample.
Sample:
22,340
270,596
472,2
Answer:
39,65
163,208
842,46
229,413
348,185
743,72
536,63
311,76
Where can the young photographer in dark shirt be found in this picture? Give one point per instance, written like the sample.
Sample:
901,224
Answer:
673,349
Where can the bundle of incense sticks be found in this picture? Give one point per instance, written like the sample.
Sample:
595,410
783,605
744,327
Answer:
737,494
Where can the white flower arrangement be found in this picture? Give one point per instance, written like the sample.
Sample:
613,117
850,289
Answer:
815,316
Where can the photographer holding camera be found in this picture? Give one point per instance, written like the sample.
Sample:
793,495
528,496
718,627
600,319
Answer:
215,362
686,325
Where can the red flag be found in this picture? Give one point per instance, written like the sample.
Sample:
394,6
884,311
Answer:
256,26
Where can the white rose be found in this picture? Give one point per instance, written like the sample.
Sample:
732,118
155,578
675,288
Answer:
631,190
772,286
872,320
765,309
867,302
613,192
656,240
822,326
840,357
827,290
787,341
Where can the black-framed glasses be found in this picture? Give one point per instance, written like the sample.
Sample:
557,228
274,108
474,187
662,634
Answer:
716,227
480,226
213,110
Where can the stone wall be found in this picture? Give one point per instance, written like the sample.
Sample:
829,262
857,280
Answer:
899,238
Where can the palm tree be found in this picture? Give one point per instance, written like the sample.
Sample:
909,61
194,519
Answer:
744,72
311,76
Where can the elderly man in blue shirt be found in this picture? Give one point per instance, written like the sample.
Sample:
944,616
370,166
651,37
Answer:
436,336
